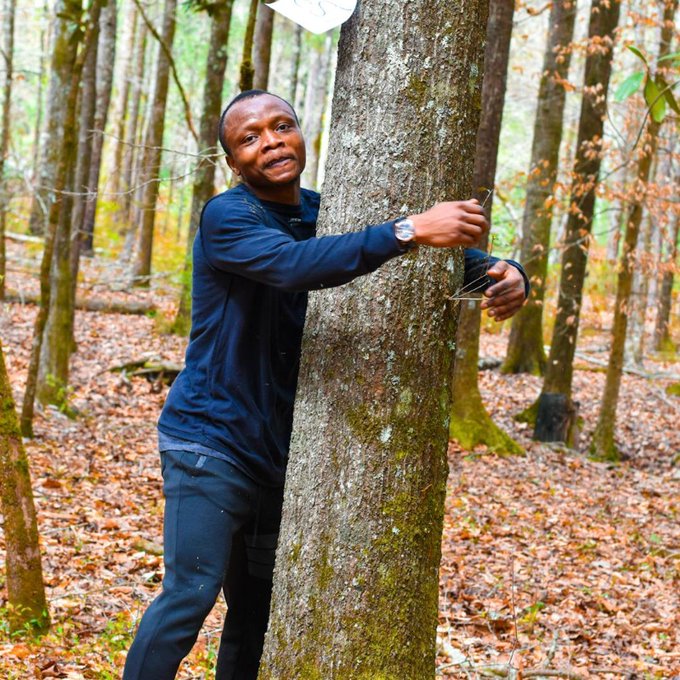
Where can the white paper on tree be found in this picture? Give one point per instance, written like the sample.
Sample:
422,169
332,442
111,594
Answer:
317,16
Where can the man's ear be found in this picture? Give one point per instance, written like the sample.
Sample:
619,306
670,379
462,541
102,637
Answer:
231,164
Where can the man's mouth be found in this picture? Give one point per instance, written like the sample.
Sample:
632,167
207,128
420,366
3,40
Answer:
276,162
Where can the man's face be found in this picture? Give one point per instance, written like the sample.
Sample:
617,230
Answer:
265,143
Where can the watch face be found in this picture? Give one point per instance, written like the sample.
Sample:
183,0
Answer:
404,230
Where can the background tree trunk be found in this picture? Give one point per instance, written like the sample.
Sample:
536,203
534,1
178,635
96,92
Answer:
264,28
67,35
120,115
152,152
204,177
247,67
106,58
9,11
470,423
44,47
603,445
356,586
134,126
57,344
295,64
25,588
64,56
525,352
315,106
604,18
662,338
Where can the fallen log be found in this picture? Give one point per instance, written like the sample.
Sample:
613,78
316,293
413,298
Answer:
23,238
157,372
89,304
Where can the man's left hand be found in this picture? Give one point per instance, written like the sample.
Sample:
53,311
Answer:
506,297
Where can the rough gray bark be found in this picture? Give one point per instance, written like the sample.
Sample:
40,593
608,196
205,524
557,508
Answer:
525,347
470,423
204,177
152,155
9,11
262,49
355,588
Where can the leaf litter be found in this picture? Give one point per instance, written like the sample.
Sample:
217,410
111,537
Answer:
550,561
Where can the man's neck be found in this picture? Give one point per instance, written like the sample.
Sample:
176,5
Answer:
288,194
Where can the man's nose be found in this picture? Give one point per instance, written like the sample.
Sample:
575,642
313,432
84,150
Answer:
271,139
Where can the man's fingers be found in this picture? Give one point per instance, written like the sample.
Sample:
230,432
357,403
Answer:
472,206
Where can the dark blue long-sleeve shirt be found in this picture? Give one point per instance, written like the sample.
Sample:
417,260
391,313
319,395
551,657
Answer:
253,263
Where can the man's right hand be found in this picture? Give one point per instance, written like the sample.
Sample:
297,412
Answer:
454,223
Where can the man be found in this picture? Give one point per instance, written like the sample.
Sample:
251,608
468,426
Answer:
225,428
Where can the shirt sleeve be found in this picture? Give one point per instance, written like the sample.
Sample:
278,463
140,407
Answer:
477,263
236,240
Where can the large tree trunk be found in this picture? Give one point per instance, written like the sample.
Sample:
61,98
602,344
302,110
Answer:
57,345
262,49
355,588
106,57
25,589
470,423
9,11
204,177
153,142
559,410
603,445
525,352
67,35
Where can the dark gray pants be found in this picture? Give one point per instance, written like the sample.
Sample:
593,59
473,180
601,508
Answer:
220,532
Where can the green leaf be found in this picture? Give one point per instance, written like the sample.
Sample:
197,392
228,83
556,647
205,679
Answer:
638,53
669,57
655,100
629,86
668,94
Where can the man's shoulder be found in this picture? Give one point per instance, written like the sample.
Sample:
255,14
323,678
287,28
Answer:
237,200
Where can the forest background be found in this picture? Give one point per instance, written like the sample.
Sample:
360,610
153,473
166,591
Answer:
555,559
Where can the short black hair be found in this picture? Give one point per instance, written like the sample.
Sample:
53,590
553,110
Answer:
246,94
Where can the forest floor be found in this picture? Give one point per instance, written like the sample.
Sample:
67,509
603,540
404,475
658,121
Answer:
550,560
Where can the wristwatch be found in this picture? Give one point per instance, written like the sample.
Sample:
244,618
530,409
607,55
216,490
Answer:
405,232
